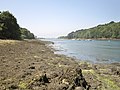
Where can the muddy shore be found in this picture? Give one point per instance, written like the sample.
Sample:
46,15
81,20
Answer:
32,65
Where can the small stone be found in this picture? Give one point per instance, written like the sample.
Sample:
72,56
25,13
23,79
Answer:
78,70
32,67
65,81
13,87
18,62
62,87
79,88
71,87
42,50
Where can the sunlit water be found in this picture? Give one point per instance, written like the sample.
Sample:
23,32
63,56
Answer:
96,51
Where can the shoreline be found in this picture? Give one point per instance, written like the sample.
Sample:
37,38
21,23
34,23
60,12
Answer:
94,60
91,39
39,68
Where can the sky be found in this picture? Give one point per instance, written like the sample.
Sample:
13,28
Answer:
54,18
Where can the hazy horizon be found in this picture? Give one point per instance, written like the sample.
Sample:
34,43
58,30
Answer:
53,18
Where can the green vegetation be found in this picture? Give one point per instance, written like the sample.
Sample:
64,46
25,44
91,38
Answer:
9,28
22,85
26,34
105,79
106,31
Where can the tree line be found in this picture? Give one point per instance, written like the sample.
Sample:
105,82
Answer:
10,29
107,31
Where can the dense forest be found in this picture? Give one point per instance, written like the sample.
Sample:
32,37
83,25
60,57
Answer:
26,34
10,29
106,31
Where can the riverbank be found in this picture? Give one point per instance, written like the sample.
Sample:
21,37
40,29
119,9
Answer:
32,65
90,39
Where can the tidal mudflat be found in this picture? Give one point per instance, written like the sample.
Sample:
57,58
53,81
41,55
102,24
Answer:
32,65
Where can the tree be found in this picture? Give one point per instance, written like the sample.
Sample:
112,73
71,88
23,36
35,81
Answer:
110,30
26,34
9,29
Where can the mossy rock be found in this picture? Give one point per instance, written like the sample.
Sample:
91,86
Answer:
22,85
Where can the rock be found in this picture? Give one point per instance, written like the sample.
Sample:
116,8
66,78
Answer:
27,73
79,71
12,52
42,51
44,79
39,83
65,81
18,62
71,87
79,88
79,80
116,71
12,87
53,75
32,67
62,87
51,42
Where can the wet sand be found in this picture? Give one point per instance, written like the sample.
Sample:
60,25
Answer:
32,65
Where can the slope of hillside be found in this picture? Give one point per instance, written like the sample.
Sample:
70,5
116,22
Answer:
105,31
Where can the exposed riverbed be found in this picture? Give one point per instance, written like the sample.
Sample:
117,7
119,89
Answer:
32,65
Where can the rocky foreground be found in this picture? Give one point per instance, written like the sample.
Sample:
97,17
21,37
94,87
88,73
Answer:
32,65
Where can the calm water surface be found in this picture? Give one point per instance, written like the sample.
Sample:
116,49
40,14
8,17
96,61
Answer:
96,51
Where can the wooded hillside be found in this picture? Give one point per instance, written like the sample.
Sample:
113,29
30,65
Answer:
10,29
110,30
